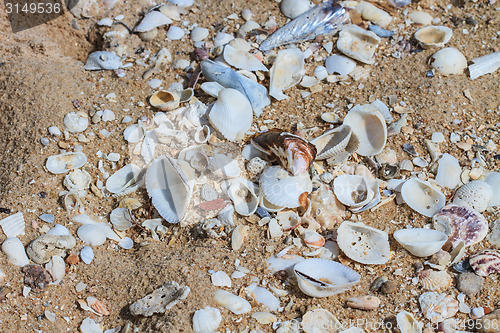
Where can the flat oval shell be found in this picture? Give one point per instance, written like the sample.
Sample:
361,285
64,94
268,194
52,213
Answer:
421,242
363,244
62,163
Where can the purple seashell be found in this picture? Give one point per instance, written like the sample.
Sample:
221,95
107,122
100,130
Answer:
485,262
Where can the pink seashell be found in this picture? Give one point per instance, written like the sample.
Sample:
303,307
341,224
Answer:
313,239
485,262
364,302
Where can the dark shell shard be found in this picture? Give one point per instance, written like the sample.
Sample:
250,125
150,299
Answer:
294,153
485,262
324,19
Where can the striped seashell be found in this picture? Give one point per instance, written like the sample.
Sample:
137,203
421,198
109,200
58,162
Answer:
282,189
333,142
13,225
126,180
437,306
435,280
485,262
476,194
313,239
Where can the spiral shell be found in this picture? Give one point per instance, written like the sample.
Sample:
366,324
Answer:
485,262
435,280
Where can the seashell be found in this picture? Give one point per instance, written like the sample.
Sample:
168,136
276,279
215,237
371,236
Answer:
202,134
294,8
134,133
152,20
256,165
374,14
339,64
185,95
211,88
78,181
317,320
433,36
72,202
76,122
368,124
160,300
485,262
422,18
321,73
15,252
264,317
449,61
421,242
323,277
407,323
326,209
228,78
435,280
126,243
233,303
294,153
357,43
313,239
355,191
243,60
42,249
333,142
175,33
493,179
324,19
169,189
282,189
484,65
364,302
126,180
198,34
449,171
287,71
476,195
206,320
13,225
121,218
223,166
262,296
62,163
288,220
92,234
182,3
102,60
57,268
172,11
58,230
244,195
422,197
220,279
222,38
239,236
264,203
165,100
87,254
461,224
231,114
437,306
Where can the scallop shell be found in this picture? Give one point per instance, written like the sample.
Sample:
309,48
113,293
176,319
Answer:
368,124
242,59
78,181
407,323
363,244
353,191
449,61
134,133
13,225
461,223
435,280
421,242
323,277
476,195
485,262
169,189
151,20
287,71
319,320
231,114
244,195
294,153
433,36
358,43
165,100
422,197
437,307
282,189
15,252
126,180
493,179
326,209
62,163
121,218
233,303
206,320
448,172
333,142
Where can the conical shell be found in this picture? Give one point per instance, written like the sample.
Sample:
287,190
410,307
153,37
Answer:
165,100
231,114
242,59
282,189
407,323
362,243
421,242
244,195
433,36
370,128
433,280
62,163
126,180
13,225
332,142
476,195
422,197
287,71
169,189
358,43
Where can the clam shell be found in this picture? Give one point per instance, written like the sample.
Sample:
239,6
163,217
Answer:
165,100
151,20
13,225
323,277
198,34
363,244
476,195
231,114
332,142
437,306
313,239
100,60
287,71
407,323
223,166
206,320
294,153
433,36
485,262
72,202
357,43
422,197
449,171
233,303
126,180
493,179
461,223
288,220
169,189
421,242
121,219
435,280
449,61
316,321
368,124
486,64
353,190
282,189
244,195
134,133
15,252
62,163
241,59
326,209
92,234
211,88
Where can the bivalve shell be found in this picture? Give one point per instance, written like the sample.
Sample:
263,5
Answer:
435,280
422,197
476,195
294,8
15,252
493,179
485,262
242,59
407,323
448,172
369,126
102,60
355,191
433,36
287,71
165,100
357,43
121,218
319,321
206,320
486,64
437,306
340,64
449,61
13,225
374,14
421,242
333,142
151,20
126,180
87,254
134,133
62,163
282,189
76,122
244,195
364,302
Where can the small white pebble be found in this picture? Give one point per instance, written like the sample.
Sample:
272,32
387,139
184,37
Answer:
113,157
126,119
53,130
438,137
45,141
175,33
105,22
108,115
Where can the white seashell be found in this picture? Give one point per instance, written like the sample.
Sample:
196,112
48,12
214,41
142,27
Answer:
319,321
433,280
339,64
326,208
421,242
165,100
437,306
102,60
449,61
134,133
333,142
264,203
293,8
78,181
223,166
476,195
222,38
202,134
126,243
206,320
76,122
484,65
58,230
313,239
245,197
175,33
321,72
264,317
363,244
233,303
185,95
275,230
182,3
121,219
72,202
198,34
374,14
247,27
211,88
355,191
422,18
13,225
151,20
407,323
449,171
263,296
169,189
246,14
239,236
323,277
282,189
231,114
221,279
15,252
288,220
357,43
493,179
422,197
56,268
433,36
87,254
62,163
126,180
242,59
287,71
92,234
369,126
172,11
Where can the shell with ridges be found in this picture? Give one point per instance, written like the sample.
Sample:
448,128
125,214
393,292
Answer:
316,320
13,225
244,195
282,189
121,218
422,197
485,262
476,195
206,320
493,179
435,280
421,242
61,163
368,124
437,307
332,142
363,244
125,180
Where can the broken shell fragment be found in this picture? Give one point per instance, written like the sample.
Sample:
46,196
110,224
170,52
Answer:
62,163
493,179
206,320
433,36
484,65
160,300
282,189
13,225
287,71
437,307
422,197
421,242
76,122
15,252
357,43
263,296
326,209
449,171
369,126
374,14
121,219
78,181
134,133
244,195
126,180
339,64
449,61
233,303
165,100
476,195
294,8
407,323
242,59
485,262
364,302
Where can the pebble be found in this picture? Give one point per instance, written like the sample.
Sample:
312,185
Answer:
36,277
470,283
490,322
389,287
53,130
45,141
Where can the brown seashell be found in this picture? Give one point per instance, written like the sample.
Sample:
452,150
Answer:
435,280
364,302
437,307
294,153
485,262
461,223
36,277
